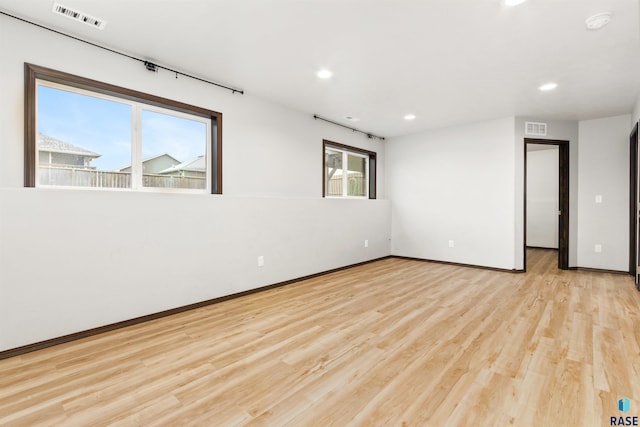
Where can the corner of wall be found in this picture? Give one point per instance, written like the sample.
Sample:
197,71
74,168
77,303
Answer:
635,114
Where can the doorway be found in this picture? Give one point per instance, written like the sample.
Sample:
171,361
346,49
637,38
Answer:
562,211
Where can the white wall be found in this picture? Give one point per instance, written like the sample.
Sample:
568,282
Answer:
71,260
450,184
564,130
542,196
604,171
454,184
635,115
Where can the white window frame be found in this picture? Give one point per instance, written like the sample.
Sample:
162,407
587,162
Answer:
346,151
136,140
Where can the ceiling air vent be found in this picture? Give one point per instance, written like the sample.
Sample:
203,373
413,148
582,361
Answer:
76,15
537,129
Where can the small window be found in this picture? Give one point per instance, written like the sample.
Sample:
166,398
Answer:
348,171
83,133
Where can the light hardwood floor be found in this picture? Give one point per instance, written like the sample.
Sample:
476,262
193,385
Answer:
395,342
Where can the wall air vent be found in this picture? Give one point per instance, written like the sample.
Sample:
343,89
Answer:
537,129
76,15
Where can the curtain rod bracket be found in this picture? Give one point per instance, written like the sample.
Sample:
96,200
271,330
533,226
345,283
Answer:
151,66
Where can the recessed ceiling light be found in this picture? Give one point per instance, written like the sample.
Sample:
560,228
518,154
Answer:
351,118
324,74
598,21
410,117
548,86
513,2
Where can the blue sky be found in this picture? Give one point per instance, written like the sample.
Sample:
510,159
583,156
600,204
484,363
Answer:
104,127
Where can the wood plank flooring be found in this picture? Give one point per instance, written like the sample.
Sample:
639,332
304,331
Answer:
395,342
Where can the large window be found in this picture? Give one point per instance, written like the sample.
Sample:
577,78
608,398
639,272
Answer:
348,171
84,133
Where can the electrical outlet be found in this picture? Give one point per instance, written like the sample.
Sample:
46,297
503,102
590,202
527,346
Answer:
260,261
598,198
366,243
451,243
598,248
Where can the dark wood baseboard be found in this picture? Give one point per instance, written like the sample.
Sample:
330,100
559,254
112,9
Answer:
598,270
541,247
458,264
118,325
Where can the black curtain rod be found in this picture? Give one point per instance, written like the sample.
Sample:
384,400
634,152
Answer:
369,135
147,64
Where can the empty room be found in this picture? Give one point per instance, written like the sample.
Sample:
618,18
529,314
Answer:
319,213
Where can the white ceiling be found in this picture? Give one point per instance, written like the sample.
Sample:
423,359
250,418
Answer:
447,61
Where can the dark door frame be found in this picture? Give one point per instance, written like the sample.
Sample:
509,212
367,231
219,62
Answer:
633,200
563,202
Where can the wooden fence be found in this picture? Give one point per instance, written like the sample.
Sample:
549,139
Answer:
356,185
72,177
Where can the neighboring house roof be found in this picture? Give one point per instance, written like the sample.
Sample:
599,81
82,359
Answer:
194,165
148,159
47,143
